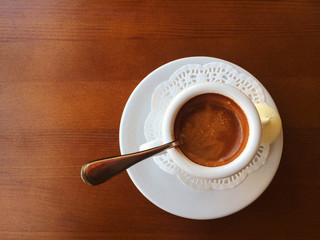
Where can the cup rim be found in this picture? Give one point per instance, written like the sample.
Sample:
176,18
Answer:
244,103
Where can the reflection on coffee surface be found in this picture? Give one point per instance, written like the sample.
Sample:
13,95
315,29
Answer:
214,128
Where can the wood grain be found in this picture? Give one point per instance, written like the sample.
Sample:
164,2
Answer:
67,69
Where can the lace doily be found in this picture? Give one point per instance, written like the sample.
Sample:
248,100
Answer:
181,79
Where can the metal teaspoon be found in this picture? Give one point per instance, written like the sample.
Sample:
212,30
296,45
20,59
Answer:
101,170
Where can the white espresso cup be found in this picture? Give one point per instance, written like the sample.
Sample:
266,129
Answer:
192,168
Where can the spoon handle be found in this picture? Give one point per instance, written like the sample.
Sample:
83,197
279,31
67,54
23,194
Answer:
101,170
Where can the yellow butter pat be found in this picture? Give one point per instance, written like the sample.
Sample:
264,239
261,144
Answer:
270,123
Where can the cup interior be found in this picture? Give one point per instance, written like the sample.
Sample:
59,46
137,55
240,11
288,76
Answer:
242,101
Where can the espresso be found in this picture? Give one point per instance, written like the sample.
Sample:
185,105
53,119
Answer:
214,128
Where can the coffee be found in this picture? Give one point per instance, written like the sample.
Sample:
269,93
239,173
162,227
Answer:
214,128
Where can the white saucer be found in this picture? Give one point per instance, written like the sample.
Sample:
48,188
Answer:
167,191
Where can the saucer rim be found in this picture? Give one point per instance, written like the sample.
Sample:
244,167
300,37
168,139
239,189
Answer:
146,192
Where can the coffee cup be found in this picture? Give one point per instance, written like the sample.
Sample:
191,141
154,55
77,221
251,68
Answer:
220,126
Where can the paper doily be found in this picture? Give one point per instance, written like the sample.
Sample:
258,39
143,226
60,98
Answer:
181,79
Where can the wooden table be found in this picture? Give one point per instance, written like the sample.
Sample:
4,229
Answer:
67,69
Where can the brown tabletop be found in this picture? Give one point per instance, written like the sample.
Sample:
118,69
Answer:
67,69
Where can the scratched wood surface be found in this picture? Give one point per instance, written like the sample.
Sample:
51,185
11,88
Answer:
67,69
